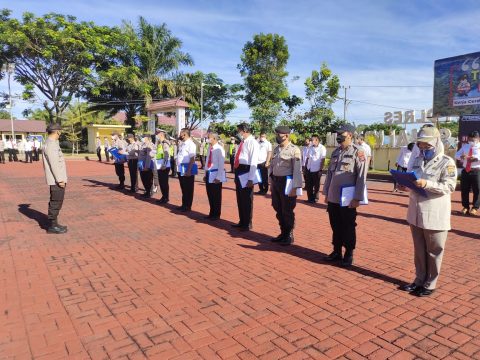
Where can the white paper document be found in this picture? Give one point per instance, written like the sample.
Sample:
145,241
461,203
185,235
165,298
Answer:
212,175
347,194
244,178
159,163
289,185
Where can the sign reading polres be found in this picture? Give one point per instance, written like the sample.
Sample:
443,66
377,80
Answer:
456,89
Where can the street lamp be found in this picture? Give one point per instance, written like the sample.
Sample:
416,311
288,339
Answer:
9,68
201,97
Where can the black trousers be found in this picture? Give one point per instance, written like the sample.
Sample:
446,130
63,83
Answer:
283,204
12,155
187,185
28,156
133,170
202,161
35,155
343,223
264,173
163,182
312,184
57,195
120,171
244,201
2,157
470,181
107,155
147,180
232,162
173,165
99,154
214,193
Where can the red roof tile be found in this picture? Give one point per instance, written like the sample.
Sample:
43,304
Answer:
33,126
167,104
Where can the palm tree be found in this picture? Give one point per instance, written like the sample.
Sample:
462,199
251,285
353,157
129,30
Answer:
145,68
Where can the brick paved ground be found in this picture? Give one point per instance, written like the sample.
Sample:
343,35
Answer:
133,280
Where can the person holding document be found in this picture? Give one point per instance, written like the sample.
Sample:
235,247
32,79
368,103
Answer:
121,146
187,151
348,168
285,175
163,164
245,166
429,216
132,160
146,155
214,176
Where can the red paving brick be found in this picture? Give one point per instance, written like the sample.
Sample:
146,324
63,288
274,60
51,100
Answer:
133,280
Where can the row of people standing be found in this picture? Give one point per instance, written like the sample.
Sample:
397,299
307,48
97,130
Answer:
29,148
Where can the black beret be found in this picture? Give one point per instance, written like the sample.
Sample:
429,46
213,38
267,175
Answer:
346,128
54,127
282,130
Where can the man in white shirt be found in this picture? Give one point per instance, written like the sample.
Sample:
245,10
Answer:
469,154
264,157
28,150
368,150
314,161
35,149
245,165
305,149
187,151
2,151
214,176
12,150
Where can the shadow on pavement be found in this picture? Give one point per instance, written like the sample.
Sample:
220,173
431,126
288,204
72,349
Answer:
39,217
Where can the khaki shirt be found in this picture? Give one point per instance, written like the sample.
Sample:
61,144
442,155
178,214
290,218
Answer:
433,212
287,161
54,163
132,150
146,154
348,167
121,145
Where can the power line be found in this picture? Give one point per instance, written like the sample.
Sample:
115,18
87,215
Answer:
391,86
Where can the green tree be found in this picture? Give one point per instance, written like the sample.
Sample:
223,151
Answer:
452,126
54,54
218,98
263,69
147,57
4,114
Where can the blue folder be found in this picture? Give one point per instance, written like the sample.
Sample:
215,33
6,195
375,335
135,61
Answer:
408,179
184,168
141,165
116,155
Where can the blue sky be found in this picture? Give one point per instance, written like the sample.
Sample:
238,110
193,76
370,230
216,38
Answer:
365,42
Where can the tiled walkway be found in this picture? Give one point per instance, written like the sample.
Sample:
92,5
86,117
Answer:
134,280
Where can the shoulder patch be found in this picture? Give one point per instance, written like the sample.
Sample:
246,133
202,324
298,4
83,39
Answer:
361,155
452,170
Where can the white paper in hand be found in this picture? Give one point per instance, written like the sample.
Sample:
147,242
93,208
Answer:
348,193
289,185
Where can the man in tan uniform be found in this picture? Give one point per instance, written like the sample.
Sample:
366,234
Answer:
348,167
56,177
429,216
285,170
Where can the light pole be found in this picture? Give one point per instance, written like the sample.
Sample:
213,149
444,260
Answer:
9,68
201,97
345,102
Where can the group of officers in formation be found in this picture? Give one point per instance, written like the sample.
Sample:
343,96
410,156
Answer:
29,148
255,161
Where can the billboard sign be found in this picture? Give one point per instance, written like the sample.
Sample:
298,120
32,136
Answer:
456,89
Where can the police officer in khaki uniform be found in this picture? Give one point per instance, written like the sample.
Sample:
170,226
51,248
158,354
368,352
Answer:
348,166
56,176
285,166
429,216
121,145
146,156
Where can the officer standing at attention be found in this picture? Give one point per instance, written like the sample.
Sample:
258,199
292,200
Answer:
245,165
163,165
2,151
469,154
429,216
98,148
264,158
121,145
56,176
132,159
185,160
106,146
146,154
313,166
214,176
286,164
348,166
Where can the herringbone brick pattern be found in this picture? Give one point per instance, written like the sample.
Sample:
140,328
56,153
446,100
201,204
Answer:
134,280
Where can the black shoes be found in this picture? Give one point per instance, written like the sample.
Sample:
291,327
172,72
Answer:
287,240
57,229
417,290
241,227
162,201
211,217
278,238
410,287
120,187
183,209
334,256
347,261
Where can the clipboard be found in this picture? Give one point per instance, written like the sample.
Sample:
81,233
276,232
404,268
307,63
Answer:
289,185
408,179
347,194
184,168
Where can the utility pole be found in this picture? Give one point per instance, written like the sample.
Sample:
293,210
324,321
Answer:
9,68
345,102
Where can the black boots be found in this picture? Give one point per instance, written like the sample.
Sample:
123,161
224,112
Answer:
56,228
